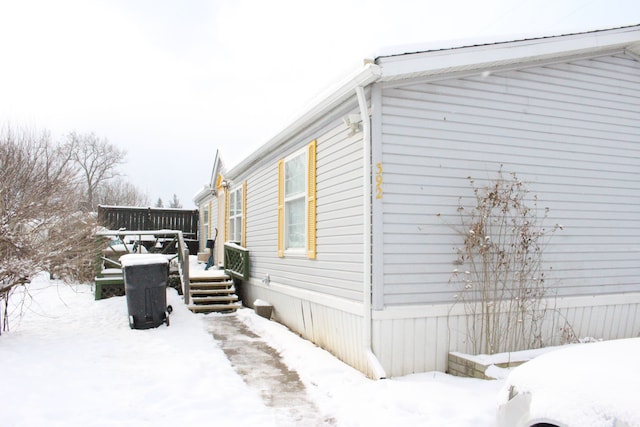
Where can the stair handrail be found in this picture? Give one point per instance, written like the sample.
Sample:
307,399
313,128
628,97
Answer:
183,267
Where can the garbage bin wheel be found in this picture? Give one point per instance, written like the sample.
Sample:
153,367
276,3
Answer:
131,322
169,309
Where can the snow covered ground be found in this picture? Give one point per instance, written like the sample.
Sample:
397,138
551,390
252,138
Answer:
72,361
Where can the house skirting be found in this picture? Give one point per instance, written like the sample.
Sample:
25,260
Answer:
418,338
412,339
333,324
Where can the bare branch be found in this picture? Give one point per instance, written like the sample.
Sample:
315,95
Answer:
97,161
41,228
500,275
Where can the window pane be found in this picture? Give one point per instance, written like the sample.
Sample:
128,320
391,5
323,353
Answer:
205,225
295,224
294,176
232,203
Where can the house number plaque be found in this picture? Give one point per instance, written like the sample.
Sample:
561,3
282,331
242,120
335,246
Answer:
379,180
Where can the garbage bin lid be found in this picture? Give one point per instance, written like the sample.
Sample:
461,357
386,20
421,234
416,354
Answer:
142,259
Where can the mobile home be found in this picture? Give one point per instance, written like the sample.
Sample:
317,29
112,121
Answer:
345,213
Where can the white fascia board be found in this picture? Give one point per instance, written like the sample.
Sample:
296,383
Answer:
202,195
215,169
507,54
340,93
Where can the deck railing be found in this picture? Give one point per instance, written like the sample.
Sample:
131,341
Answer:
182,252
143,218
236,260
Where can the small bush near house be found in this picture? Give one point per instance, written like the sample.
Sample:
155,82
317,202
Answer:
500,276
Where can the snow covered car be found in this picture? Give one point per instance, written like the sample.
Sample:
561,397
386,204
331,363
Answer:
595,385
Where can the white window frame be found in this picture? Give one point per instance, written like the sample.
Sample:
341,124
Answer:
235,214
298,196
205,225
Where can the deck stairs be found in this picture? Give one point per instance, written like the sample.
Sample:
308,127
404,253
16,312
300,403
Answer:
211,292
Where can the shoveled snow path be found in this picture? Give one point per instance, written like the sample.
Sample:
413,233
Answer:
261,367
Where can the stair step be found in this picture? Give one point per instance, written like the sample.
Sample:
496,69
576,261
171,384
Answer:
209,299
209,308
209,279
207,285
231,290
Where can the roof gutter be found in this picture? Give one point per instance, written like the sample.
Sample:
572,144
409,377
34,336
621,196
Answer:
452,61
327,101
372,360
204,193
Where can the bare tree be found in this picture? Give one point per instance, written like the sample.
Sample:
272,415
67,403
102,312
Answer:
159,203
175,202
97,160
40,226
120,192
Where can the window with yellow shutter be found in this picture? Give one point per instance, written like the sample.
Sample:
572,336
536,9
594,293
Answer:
235,215
297,203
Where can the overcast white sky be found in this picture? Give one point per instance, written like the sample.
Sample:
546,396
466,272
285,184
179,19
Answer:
171,81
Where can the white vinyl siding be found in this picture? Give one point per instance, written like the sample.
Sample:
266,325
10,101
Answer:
208,214
337,269
572,131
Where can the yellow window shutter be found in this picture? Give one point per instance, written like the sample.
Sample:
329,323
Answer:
227,214
244,215
281,208
311,201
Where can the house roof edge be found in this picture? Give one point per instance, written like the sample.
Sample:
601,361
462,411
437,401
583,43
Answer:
448,61
488,56
365,76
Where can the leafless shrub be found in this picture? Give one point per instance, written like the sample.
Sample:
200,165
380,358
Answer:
500,276
41,228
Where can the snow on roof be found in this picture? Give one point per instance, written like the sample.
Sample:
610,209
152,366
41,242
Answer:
449,44
438,63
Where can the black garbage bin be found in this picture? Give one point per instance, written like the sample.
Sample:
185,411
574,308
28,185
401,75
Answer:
145,287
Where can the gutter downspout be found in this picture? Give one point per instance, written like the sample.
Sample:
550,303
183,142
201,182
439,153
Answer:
374,363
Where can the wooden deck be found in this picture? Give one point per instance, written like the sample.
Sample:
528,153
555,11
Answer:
209,291
204,291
